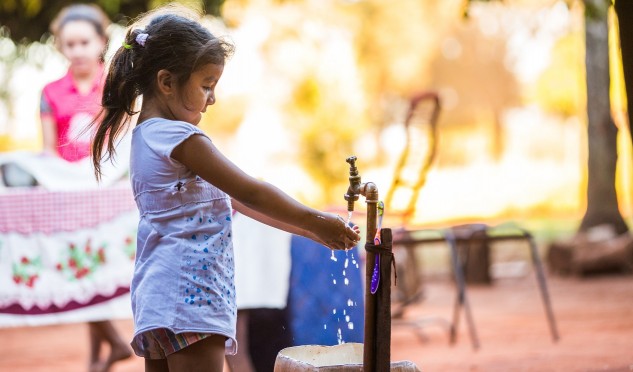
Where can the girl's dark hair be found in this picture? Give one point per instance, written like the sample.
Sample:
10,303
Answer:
176,43
81,12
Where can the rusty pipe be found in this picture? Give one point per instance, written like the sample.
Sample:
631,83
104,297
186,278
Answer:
370,191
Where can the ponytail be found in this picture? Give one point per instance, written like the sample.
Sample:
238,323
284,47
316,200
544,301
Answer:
119,96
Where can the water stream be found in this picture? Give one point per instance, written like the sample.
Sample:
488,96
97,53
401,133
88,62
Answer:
345,315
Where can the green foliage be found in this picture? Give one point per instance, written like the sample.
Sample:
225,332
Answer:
561,87
326,129
596,9
28,20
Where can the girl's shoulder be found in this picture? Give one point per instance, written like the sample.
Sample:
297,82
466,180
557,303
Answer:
167,122
163,135
162,126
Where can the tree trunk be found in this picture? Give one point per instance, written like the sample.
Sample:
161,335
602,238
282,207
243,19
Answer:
602,202
624,10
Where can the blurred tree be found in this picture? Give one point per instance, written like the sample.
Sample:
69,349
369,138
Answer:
624,10
28,20
467,58
602,201
395,47
396,44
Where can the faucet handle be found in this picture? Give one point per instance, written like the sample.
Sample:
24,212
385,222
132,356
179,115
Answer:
352,161
353,171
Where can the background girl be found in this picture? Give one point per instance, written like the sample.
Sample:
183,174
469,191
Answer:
68,105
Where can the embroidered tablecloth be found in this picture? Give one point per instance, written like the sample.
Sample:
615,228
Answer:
66,255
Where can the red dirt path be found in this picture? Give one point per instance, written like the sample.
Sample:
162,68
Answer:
595,321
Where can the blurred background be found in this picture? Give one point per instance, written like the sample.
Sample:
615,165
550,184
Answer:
312,82
489,112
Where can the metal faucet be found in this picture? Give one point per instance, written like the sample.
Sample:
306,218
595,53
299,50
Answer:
356,188
354,184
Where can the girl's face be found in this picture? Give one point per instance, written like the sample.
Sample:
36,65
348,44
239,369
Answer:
196,94
82,45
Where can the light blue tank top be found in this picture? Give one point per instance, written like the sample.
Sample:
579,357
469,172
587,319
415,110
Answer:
184,269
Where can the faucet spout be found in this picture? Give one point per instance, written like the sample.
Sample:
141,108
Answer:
353,191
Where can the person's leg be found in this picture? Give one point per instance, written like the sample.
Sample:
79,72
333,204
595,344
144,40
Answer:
241,362
156,365
206,355
104,331
269,332
95,347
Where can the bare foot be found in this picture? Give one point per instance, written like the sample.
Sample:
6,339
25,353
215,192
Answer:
118,352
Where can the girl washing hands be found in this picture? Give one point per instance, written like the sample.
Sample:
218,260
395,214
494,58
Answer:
183,296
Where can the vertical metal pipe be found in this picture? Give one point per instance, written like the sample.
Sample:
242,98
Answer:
383,304
370,191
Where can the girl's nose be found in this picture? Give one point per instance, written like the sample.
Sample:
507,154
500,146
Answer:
211,99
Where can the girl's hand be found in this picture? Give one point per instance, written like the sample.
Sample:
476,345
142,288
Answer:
335,233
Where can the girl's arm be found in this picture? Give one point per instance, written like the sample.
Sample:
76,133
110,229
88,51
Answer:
267,201
265,219
49,127
49,135
277,224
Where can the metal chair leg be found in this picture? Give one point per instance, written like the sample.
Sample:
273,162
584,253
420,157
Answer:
540,275
462,298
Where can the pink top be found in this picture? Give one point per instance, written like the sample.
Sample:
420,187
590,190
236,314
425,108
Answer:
72,112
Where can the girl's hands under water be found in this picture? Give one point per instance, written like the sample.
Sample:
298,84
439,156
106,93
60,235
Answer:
335,233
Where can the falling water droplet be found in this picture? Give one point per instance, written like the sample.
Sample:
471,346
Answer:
350,303
346,262
332,257
347,318
350,325
346,281
325,326
334,281
333,311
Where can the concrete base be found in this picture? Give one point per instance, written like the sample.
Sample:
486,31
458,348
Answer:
340,358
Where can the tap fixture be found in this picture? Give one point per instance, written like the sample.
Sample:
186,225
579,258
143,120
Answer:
372,314
353,191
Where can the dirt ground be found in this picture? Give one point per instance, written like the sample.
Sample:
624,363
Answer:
594,317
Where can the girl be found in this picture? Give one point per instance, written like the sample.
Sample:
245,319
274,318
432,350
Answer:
69,104
67,107
183,296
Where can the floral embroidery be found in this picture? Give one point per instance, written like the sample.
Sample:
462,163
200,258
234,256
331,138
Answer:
82,262
129,246
27,271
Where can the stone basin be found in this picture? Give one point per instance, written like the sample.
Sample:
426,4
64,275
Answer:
339,358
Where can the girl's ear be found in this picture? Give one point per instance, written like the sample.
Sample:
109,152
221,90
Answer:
165,82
